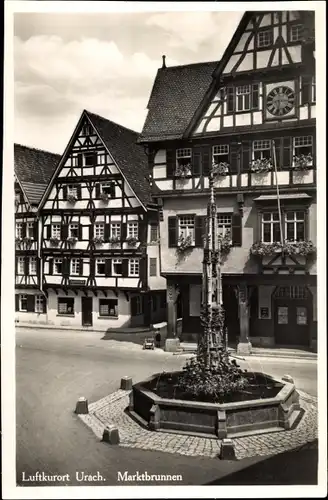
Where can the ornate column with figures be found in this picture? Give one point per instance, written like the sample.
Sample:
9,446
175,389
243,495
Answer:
172,342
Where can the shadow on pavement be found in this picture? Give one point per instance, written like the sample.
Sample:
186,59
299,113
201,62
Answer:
294,467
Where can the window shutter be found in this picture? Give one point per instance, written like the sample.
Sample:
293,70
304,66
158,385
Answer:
26,266
51,266
142,231
236,230
108,267
199,230
234,159
196,162
44,305
230,99
97,190
64,231
79,160
35,230
64,192
112,190
23,229
91,232
123,232
92,267
246,157
255,96
17,302
133,306
286,157
30,303
173,231
80,232
107,232
152,266
79,191
125,267
48,232
170,163
143,271
305,89
206,161
66,266
81,267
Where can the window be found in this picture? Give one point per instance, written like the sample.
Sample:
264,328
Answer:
30,230
152,266
23,302
153,232
108,307
58,266
291,292
55,231
296,32
72,190
303,145
313,90
270,227
243,98
99,230
264,38
261,150
221,153
90,159
100,267
19,230
65,305
108,188
132,230
117,267
282,315
133,267
187,226
39,303
75,266
115,229
32,266
301,315
183,157
17,197
73,231
224,224
87,129
21,265
295,226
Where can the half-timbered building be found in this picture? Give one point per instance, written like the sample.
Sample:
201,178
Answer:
99,234
33,169
251,117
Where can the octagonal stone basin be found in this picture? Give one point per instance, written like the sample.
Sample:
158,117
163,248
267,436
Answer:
218,420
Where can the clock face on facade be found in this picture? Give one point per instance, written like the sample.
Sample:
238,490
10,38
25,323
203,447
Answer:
280,100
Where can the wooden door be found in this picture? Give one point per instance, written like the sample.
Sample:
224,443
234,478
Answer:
86,311
292,322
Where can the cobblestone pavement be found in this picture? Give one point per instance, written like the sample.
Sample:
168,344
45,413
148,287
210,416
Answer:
110,411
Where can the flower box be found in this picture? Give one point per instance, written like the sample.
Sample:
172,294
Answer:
131,241
54,242
71,198
302,248
261,166
226,243
182,171
104,197
220,169
98,241
114,240
184,243
71,240
302,162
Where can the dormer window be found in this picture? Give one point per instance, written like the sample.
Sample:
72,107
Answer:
296,32
183,162
264,38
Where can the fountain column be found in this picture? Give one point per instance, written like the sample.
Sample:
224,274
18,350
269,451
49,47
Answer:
244,346
172,342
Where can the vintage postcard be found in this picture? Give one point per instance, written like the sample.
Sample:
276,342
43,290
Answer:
163,250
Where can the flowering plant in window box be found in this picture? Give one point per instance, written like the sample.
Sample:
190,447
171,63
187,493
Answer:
131,241
184,243
220,169
302,162
262,249
54,241
27,240
261,165
114,240
71,198
18,240
226,242
183,170
98,240
71,240
104,197
302,248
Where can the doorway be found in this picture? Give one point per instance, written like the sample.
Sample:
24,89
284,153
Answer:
86,311
292,315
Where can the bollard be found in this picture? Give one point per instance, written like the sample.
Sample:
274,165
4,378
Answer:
126,383
227,451
288,378
111,435
82,406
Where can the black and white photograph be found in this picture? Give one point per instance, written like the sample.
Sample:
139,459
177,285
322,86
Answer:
163,250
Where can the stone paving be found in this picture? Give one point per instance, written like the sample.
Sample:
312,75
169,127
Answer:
110,411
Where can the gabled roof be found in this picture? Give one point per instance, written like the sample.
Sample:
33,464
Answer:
33,169
175,97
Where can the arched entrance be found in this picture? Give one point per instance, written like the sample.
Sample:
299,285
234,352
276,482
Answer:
292,309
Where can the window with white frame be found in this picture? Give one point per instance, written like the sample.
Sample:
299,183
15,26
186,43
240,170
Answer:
303,145
115,229
19,230
132,229
295,225
270,227
133,267
23,302
99,230
32,266
108,307
221,153
183,158
108,188
58,266
75,266
262,150
65,305
73,230
100,267
72,190
243,97
55,231
21,265
30,230
153,233
295,32
264,38
117,267
187,226
224,224
39,300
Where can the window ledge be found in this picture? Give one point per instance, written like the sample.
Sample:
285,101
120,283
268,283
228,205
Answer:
66,315
107,317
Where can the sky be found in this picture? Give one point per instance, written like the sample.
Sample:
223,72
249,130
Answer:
105,63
